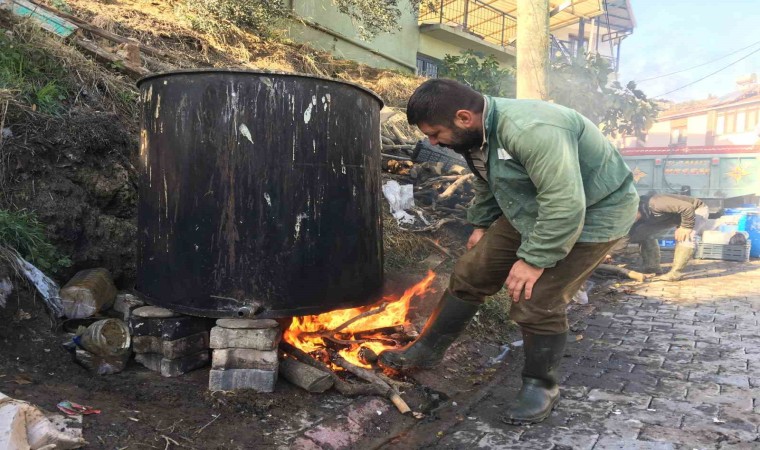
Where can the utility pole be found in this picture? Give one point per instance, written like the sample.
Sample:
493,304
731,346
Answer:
532,48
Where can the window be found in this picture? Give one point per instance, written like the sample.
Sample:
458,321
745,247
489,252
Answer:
427,66
751,120
720,127
730,122
678,136
741,120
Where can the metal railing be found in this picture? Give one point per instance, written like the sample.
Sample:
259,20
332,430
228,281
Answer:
473,17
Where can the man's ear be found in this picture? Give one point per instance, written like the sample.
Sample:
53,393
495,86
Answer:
465,118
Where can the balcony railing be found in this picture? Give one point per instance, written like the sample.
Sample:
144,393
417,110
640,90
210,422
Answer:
473,17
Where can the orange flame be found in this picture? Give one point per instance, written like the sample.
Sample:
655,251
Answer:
302,331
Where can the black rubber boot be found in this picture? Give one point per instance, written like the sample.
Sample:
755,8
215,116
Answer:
540,392
448,320
650,256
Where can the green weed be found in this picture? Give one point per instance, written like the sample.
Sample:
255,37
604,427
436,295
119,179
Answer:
21,231
36,77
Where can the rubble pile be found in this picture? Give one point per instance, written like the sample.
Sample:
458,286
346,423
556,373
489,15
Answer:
442,183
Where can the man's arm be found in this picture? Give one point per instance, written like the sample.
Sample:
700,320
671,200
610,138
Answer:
671,204
484,209
550,156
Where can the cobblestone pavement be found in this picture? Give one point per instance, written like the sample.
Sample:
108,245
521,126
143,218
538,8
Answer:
671,366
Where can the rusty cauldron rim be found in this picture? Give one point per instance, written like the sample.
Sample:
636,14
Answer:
213,70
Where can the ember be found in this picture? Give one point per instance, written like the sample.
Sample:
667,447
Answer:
368,328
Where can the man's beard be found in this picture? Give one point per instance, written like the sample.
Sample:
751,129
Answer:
463,140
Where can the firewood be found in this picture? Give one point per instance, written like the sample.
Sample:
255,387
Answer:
400,136
105,56
101,32
305,376
436,226
371,377
437,246
342,386
454,186
632,274
397,147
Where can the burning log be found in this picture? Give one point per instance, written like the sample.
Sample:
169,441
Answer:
342,386
370,376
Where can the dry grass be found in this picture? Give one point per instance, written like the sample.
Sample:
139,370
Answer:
403,249
163,25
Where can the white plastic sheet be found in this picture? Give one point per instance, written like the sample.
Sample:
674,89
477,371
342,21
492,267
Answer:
400,197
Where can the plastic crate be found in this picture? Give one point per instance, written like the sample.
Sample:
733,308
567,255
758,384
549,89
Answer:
424,152
724,252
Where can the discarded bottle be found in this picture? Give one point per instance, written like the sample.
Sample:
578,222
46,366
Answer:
87,293
107,337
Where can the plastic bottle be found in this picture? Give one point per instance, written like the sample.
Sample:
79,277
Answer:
87,293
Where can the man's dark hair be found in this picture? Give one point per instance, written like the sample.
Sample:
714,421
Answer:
436,101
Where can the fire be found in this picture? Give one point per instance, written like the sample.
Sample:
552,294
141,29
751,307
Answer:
303,331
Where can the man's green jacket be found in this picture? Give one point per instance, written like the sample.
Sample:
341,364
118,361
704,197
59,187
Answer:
555,176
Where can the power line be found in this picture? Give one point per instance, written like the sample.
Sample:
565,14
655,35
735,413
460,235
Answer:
700,65
707,76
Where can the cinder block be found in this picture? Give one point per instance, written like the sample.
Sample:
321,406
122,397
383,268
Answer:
261,339
171,349
125,303
168,329
244,358
240,379
172,367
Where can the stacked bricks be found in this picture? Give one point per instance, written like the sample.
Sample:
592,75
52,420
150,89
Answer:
244,355
169,343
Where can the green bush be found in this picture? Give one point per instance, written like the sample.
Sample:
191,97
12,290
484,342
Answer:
219,16
22,232
482,73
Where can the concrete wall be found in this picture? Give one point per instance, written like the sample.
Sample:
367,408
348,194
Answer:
696,130
659,135
327,29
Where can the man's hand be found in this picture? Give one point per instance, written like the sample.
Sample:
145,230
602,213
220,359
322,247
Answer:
477,233
683,234
522,276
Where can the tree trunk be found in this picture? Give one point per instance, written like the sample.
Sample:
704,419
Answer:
532,48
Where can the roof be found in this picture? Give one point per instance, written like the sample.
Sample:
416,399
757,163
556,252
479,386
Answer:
565,12
740,97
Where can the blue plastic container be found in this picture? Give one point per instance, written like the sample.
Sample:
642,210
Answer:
752,226
741,221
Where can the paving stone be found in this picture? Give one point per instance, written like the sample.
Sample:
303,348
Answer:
615,443
692,439
247,323
574,438
243,379
635,400
460,439
736,429
244,358
257,339
623,426
683,407
172,367
661,373
730,380
168,329
171,349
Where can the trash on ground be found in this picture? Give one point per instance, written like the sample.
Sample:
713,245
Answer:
501,356
23,425
400,197
72,409
44,285
88,292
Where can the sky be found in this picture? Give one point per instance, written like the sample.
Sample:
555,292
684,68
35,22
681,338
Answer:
673,35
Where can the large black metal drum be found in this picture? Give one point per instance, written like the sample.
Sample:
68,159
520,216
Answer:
259,194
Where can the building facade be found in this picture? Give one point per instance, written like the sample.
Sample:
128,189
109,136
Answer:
450,27
709,149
